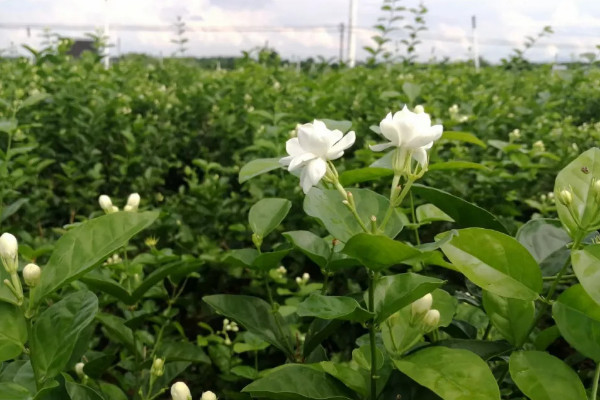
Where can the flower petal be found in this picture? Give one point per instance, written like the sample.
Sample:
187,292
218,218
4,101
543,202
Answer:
300,160
390,131
285,161
420,155
425,137
313,140
293,147
312,173
381,146
337,150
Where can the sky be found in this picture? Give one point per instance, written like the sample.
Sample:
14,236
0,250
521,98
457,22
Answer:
311,26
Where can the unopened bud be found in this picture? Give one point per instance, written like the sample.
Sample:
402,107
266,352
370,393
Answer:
79,370
105,203
180,391
419,109
257,240
431,320
32,274
421,306
9,249
305,276
565,197
113,209
208,396
128,208
134,201
158,367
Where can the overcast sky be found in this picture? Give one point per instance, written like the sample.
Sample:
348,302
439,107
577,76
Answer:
502,25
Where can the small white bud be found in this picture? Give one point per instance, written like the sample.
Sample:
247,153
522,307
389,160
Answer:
227,341
419,109
79,370
299,280
133,200
113,209
564,196
31,275
208,396
282,270
305,276
105,202
128,208
9,249
432,319
539,146
180,391
158,367
422,305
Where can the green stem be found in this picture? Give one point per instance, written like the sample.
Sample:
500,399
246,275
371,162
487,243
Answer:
594,394
371,307
414,218
396,203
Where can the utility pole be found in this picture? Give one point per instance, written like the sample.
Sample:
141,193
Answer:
475,42
342,28
107,35
352,33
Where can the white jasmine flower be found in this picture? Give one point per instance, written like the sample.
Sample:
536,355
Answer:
105,203
310,151
410,131
9,249
180,391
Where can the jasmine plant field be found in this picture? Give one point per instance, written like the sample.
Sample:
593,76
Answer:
272,231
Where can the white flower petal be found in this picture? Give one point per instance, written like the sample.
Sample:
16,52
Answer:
312,173
337,150
381,146
285,161
300,160
425,137
420,155
293,147
390,131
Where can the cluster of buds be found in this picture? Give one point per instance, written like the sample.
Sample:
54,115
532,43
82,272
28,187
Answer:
133,202
454,114
281,272
514,135
303,279
114,259
180,391
228,326
158,367
539,146
423,315
80,372
9,254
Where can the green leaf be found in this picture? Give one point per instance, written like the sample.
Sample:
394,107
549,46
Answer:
464,213
34,99
543,237
257,167
378,252
267,214
318,330
81,392
55,332
111,391
269,260
352,378
450,165
586,265
495,262
343,126
13,331
354,176
466,137
12,208
412,90
8,125
452,374
511,317
577,316
578,177
87,245
12,391
485,349
182,351
541,376
298,382
429,213
326,205
395,292
319,250
446,304
242,257
333,307
255,315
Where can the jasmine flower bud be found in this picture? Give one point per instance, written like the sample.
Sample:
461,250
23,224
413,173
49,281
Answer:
133,201
9,249
419,109
180,391
431,320
421,306
31,275
208,396
158,367
105,203
79,370
565,197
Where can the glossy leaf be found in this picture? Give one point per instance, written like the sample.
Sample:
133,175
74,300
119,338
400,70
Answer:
577,316
256,316
269,260
378,252
541,376
543,237
13,331
466,137
578,177
81,392
354,176
85,246
395,292
495,262
464,213
298,382
326,205
452,374
354,379
429,213
12,391
511,317
333,307
267,214
449,165
586,265
56,330
319,250
257,167
485,349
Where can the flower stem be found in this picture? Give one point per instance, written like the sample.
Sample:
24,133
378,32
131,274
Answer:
594,394
371,307
396,203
